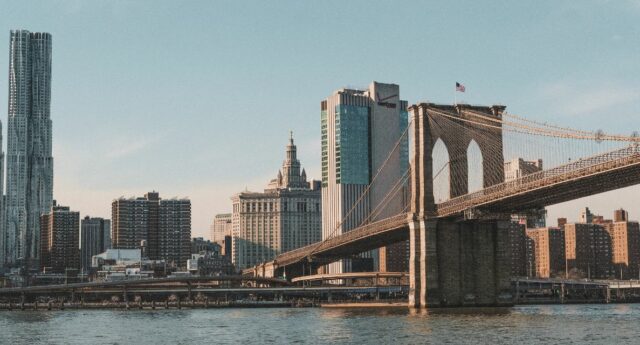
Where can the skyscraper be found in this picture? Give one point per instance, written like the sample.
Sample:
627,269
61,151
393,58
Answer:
29,160
360,130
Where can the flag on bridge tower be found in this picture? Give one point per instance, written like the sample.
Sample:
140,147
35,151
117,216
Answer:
460,87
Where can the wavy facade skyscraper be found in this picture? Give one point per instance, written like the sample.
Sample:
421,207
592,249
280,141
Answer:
29,155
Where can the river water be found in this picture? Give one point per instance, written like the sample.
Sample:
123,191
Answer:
555,324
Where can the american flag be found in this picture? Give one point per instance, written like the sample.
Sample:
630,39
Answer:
459,87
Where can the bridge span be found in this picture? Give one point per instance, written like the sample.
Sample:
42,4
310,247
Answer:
459,252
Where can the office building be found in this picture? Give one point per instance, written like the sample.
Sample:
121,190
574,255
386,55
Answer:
161,227
95,238
221,227
359,132
29,160
60,230
518,167
545,252
284,217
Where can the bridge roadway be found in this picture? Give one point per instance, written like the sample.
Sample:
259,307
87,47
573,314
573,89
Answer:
584,177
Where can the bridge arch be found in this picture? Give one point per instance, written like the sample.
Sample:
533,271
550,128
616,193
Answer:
475,164
441,173
458,127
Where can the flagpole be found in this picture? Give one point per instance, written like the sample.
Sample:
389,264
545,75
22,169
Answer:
455,96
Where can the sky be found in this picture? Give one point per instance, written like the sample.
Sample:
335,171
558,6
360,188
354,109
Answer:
196,98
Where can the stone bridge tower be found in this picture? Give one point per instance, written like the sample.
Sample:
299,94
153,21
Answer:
461,260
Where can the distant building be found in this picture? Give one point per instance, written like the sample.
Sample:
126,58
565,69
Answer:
518,167
199,244
359,132
221,227
59,239
586,216
95,238
620,216
515,169
546,252
210,264
163,224
588,250
625,245
284,217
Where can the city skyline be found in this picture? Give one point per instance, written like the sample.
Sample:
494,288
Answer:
112,79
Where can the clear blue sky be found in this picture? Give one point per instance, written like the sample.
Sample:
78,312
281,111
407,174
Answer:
196,98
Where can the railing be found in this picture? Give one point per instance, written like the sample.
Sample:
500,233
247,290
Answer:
599,163
350,236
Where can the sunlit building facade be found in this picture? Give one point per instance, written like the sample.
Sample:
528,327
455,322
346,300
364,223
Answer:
359,131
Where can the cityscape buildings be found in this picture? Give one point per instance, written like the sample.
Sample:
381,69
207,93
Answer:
29,155
95,238
284,217
360,129
161,227
60,230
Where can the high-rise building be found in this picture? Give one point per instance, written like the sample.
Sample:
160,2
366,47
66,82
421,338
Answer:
545,252
29,160
625,245
360,129
284,217
162,227
221,227
518,249
60,230
588,250
95,238
3,224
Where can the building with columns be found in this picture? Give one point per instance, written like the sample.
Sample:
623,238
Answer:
284,217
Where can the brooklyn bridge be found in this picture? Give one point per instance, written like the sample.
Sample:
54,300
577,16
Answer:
458,237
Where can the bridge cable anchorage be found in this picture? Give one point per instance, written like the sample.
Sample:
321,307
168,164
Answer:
385,164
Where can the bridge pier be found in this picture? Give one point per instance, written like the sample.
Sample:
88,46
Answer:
459,263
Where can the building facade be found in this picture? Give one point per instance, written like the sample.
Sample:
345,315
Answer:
588,251
546,252
359,132
60,231
29,155
95,238
161,227
625,245
221,227
518,249
286,216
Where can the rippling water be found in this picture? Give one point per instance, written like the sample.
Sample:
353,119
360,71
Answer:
567,324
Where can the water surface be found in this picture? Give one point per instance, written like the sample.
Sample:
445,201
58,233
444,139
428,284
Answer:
566,324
